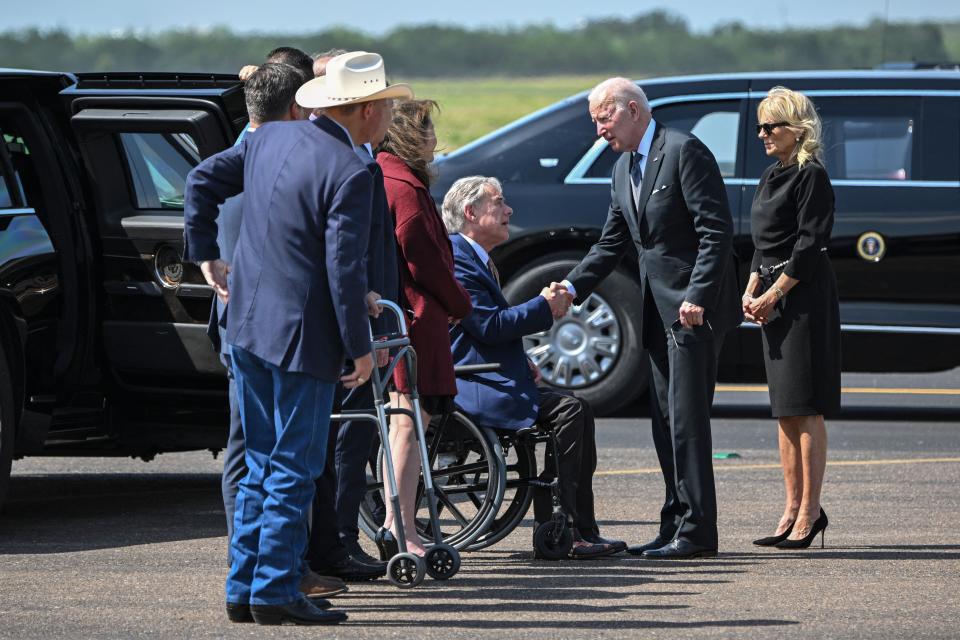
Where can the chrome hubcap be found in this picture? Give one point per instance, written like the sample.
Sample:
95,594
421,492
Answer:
581,348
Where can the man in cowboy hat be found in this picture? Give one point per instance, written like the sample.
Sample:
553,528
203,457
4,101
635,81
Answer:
293,314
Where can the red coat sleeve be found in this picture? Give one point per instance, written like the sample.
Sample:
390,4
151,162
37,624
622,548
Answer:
426,250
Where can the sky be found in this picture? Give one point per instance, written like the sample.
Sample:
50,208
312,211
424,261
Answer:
379,16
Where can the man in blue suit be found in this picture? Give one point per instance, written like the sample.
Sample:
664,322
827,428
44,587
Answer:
295,310
477,216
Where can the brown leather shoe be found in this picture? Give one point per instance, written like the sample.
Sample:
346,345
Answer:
316,586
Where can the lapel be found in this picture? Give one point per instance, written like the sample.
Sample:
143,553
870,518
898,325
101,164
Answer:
467,248
627,204
652,169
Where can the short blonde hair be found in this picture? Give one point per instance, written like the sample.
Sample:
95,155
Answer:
796,109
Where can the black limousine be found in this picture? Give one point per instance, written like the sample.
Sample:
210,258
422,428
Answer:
892,149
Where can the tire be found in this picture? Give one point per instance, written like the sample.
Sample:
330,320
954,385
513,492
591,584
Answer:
469,481
595,350
7,425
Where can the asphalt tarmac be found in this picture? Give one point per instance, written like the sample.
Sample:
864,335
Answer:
117,548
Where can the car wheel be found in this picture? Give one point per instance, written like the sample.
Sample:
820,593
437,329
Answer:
593,351
7,435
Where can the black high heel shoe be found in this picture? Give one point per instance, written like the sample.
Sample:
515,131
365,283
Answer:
820,526
386,544
770,541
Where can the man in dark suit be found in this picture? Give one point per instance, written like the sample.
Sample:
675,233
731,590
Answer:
669,200
334,549
476,215
270,97
295,310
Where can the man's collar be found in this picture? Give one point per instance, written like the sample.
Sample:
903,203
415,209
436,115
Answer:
647,140
480,251
349,137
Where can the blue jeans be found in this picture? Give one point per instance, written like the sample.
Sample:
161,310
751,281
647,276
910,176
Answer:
286,418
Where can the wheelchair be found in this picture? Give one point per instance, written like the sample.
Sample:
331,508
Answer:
484,482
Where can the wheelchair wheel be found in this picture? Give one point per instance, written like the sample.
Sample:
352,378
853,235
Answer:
520,464
468,482
553,540
442,562
406,570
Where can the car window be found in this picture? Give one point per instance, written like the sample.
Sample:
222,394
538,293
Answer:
6,201
716,123
158,165
20,176
863,138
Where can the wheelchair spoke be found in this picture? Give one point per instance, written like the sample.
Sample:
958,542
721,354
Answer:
461,469
442,497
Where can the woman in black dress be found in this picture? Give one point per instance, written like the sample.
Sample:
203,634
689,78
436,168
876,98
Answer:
792,294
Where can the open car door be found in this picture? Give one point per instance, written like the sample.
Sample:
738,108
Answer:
139,137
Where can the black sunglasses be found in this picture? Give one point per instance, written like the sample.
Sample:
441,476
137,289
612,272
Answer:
768,127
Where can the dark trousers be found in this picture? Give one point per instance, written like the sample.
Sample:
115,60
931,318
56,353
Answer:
343,484
683,375
573,422
234,466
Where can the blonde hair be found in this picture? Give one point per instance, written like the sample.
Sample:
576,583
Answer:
796,109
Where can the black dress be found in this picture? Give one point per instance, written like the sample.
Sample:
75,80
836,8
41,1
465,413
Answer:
791,219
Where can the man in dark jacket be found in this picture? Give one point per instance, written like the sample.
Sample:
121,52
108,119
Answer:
669,200
476,215
296,309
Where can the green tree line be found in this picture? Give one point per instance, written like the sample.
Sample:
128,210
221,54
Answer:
653,43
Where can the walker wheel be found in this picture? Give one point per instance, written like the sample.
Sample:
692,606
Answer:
442,561
406,570
553,541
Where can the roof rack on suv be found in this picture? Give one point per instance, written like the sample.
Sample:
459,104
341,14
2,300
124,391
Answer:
917,66
155,80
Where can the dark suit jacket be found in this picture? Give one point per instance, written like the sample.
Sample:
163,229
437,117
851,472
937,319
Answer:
426,272
383,271
683,232
298,280
493,332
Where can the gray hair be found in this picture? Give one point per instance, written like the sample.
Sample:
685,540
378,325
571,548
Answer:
270,91
465,192
320,60
619,91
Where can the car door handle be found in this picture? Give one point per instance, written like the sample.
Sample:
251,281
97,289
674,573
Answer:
194,291
131,288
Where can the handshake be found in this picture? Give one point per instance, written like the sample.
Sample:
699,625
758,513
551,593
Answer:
559,299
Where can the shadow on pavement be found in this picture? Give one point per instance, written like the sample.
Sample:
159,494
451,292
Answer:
867,552
63,512
539,590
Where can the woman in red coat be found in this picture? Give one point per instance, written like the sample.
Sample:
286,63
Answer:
431,292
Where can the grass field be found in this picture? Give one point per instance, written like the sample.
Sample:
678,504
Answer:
473,107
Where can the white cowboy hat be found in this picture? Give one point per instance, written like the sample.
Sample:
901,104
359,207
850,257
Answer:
357,76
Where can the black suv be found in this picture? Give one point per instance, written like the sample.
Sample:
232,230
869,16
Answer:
892,149
103,347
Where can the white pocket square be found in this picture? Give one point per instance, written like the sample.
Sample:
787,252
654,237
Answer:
659,189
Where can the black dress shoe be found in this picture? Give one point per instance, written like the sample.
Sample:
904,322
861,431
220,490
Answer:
299,611
352,570
238,612
638,549
680,549
616,545
365,558
583,550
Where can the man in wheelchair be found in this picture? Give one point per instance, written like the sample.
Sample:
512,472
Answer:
477,216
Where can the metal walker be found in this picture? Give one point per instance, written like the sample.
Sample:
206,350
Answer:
442,561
